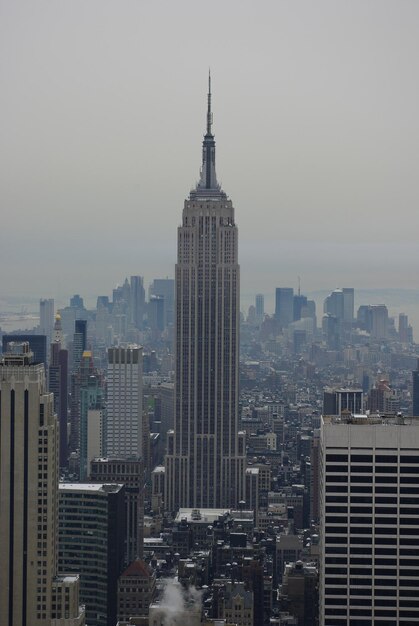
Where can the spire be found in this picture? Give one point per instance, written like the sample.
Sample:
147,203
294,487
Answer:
208,185
209,112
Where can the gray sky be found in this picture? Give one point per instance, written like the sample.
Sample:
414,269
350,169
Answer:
102,116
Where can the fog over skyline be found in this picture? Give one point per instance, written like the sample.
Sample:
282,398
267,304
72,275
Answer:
315,120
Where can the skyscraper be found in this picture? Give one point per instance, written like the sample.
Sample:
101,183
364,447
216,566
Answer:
368,519
124,407
164,287
79,342
129,472
91,516
46,317
37,345
58,383
415,390
260,307
137,301
29,587
205,463
284,305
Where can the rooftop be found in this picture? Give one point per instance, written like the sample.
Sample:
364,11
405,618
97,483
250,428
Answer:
90,487
364,419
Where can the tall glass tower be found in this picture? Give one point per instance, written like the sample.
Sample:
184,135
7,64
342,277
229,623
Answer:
205,461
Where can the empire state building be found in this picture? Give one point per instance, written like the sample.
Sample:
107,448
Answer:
205,461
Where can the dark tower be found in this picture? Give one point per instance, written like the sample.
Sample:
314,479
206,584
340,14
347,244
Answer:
205,464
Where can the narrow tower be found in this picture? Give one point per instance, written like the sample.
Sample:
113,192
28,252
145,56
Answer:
205,464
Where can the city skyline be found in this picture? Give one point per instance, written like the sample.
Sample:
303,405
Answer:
326,135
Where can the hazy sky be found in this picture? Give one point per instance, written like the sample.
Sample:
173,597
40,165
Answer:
316,114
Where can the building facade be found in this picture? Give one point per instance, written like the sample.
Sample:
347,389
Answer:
369,504
58,385
284,305
131,474
124,403
46,317
91,544
205,463
29,451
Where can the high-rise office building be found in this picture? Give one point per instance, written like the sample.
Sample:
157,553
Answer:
79,342
379,321
403,328
260,307
156,313
124,404
348,304
369,504
299,304
46,317
165,287
29,587
205,463
91,398
334,304
37,345
336,401
415,390
131,474
284,305
91,543
86,406
77,372
137,301
58,383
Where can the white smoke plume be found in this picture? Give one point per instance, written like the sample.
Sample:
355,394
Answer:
180,606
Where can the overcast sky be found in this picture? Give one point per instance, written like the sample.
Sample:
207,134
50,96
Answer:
102,115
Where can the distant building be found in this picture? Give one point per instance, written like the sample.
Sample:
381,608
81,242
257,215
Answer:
348,304
379,321
90,395
284,305
79,342
334,304
46,317
37,345
374,319
137,301
337,401
156,313
124,403
299,304
165,288
259,307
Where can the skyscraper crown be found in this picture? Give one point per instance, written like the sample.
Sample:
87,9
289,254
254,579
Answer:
208,186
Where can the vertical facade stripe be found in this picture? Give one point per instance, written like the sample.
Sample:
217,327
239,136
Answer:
25,505
11,503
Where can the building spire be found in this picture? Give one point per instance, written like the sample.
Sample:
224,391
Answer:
208,186
209,112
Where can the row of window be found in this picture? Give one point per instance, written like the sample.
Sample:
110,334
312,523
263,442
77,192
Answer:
368,458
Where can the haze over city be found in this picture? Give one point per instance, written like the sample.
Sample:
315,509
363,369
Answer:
315,116
209,379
